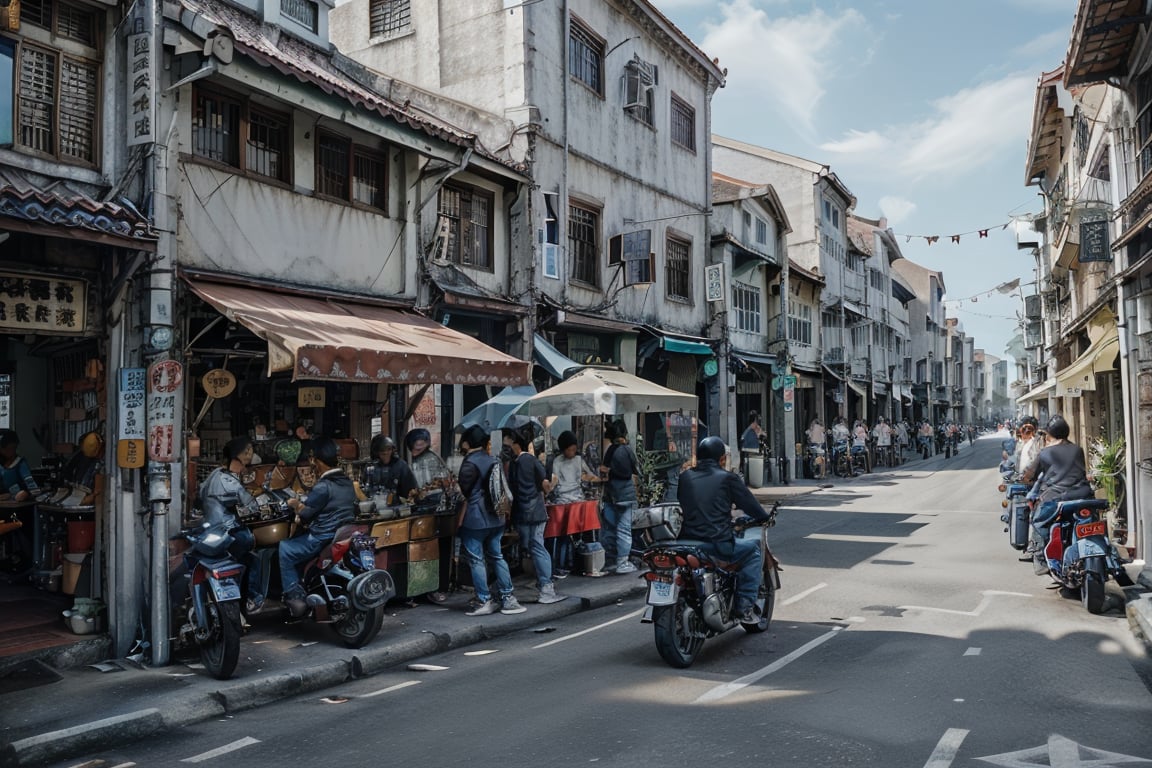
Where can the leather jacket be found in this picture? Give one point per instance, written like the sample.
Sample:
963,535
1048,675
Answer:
220,494
707,494
330,504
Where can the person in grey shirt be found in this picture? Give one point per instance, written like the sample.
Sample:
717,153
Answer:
619,468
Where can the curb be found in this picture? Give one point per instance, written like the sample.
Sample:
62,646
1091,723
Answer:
1140,618
194,707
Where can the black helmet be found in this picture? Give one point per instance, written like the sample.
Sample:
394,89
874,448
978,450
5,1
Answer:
380,442
711,448
417,434
324,449
1058,428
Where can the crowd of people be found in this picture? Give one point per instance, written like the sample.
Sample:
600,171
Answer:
851,449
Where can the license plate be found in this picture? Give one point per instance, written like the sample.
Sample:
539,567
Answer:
662,593
368,560
1084,530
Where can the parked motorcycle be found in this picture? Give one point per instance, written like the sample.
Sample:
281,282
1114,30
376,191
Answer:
345,589
208,617
1080,557
1015,505
692,597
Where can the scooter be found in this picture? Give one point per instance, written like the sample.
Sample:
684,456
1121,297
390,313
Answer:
1015,505
1078,552
210,610
692,597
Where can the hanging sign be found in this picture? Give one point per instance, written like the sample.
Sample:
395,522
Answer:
130,432
164,380
218,383
311,397
141,79
32,303
1094,245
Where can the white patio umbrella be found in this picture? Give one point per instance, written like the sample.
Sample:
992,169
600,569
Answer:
597,391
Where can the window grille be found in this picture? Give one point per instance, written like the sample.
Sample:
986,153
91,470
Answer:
676,263
387,18
306,13
583,244
469,214
586,57
683,124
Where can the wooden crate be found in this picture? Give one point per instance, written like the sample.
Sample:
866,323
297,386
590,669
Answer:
431,526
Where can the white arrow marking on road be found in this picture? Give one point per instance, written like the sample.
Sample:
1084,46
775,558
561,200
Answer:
946,748
740,683
1060,752
625,617
988,594
972,652
247,741
804,594
389,689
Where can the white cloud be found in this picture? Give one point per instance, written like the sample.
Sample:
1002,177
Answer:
965,131
783,61
896,209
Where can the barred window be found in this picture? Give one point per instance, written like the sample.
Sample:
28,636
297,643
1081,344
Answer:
746,302
349,172
584,244
219,122
586,56
683,128
333,155
387,18
676,268
468,211
306,13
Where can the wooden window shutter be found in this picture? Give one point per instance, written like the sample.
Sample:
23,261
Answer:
79,89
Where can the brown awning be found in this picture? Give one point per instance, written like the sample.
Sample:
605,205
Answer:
333,340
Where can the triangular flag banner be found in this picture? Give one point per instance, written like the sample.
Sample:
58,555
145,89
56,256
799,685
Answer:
932,238
983,233
955,238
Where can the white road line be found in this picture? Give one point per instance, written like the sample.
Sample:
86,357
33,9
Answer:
972,652
740,683
804,594
247,741
946,748
986,598
849,537
625,617
389,689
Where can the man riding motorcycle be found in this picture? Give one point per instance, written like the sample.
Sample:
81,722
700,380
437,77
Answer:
707,493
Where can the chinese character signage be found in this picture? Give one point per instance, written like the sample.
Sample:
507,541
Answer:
131,432
140,88
1094,245
46,304
5,401
164,379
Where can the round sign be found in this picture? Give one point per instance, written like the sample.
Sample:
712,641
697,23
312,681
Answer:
218,383
711,367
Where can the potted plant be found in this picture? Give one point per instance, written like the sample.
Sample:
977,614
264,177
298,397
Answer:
1106,468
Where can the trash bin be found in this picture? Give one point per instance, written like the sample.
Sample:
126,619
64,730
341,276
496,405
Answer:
754,470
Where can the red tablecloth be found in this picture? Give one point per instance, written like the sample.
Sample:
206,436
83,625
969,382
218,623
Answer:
569,519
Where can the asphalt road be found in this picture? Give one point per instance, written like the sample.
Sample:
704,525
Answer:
906,634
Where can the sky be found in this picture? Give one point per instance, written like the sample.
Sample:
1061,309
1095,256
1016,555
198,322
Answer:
923,109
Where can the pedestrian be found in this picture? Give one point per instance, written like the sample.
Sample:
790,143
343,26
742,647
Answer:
926,447
15,474
529,515
481,529
882,433
902,437
817,442
434,482
619,469
570,472
750,439
860,443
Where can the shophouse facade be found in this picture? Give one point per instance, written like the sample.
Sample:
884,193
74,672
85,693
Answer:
929,336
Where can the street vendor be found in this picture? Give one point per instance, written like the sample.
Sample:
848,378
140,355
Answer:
565,486
18,483
432,475
389,473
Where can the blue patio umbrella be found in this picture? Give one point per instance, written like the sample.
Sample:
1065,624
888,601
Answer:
499,412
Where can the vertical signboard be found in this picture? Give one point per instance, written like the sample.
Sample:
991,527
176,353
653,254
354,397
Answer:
130,431
164,379
140,85
5,401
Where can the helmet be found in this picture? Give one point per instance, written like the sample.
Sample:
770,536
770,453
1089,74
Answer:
1058,428
380,442
92,445
711,448
324,449
417,434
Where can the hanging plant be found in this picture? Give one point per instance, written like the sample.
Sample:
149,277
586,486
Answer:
1106,469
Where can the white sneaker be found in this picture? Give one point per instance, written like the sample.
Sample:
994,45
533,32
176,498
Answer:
510,605
626,567
485,608
548,595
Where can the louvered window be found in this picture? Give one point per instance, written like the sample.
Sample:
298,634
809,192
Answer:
56,110
468,211
388,18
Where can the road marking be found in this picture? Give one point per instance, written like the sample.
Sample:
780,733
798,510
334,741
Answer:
389,689
946,748
1062,753
985,600
972,652
625,617
247,741
860,539
740,683
804,594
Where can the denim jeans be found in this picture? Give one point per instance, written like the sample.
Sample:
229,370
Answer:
243,552
482,546
745,553
295,552
616,521
532,544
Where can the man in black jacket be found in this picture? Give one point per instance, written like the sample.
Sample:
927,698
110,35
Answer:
707,493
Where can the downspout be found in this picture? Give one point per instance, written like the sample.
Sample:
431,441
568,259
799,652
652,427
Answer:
562,214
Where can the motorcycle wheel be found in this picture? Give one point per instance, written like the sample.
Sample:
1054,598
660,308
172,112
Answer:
676,647
221,651
1092,591
358,628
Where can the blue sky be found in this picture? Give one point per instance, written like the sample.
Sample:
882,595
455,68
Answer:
922,107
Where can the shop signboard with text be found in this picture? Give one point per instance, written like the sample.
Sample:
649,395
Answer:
164,380
130,431
31,303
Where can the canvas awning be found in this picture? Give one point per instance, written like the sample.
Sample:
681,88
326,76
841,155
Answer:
333,340
1098,358
1039,393
551,359
858,388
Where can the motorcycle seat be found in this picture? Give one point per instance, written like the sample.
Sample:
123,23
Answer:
1073,505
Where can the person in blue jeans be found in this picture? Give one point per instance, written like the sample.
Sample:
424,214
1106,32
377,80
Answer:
707,493
481,528
619,468
330,505
529,515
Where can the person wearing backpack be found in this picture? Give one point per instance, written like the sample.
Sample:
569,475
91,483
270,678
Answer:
481,528
529,515
618,468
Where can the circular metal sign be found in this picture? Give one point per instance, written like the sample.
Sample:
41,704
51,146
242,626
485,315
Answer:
218,383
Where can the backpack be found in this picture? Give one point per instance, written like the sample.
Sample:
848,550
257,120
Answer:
498,492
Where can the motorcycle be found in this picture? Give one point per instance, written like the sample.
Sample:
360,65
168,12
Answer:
210,610
345,589
692,596
1015,504
1078,552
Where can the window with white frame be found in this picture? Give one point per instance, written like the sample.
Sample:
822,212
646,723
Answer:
860,336
800,323
746,302
389,18
761,231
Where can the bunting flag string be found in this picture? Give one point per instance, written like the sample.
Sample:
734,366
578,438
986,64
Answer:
980,233
1006,287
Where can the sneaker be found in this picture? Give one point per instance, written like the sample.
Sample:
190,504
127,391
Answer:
548,594
485,608
626,567
254,604
560,573
750,615
510,605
